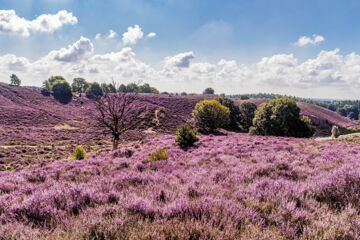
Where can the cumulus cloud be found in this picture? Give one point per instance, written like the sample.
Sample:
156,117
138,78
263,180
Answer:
132,35
98,36
13,63
112,34
304,40
11,23
181,60
74,52
151,35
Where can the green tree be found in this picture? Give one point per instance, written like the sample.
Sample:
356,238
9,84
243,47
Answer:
122,88
48,84
14,80
281,117
79,85
209,91
234,111
247,114
132,87
94,90
210,115
62,91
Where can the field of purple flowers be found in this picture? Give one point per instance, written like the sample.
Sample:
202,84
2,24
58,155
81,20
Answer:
226,187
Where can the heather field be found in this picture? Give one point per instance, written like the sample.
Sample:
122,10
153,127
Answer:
228,186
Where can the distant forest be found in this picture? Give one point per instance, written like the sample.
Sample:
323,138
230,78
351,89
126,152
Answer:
347,108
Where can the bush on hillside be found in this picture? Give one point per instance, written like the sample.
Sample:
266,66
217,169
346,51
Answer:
209,91
335,132
234,111
48,84
186,136
79,153
62,91
210,115
247,114
281,117
79,85
94,90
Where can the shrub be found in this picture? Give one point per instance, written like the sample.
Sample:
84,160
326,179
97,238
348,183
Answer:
160,154
281,117
209,91
62,91
247,113
79,153
210,115
335,132
48,84
94,90
79,85
186,136
234,111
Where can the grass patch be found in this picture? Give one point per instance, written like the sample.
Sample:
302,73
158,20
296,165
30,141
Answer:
65,126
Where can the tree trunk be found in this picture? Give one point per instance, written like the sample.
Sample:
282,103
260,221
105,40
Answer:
115,142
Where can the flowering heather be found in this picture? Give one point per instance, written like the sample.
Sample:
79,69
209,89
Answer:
226,187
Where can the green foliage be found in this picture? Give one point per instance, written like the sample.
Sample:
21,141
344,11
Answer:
209,91
183,94
186,136
62,91
210,115
281,117
48,84
234,111
122,88
108,88
79,85
79,153
158,155
247,114
14,80
94,90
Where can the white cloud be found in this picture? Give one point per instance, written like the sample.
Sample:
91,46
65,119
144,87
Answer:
151,35
13,63
132,35
10,23
74,52
112,34
304,40
181,60
98,36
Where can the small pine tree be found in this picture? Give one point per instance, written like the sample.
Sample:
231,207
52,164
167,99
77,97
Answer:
186,136
79,153
14,80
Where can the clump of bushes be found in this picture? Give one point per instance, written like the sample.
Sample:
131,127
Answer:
247,114
79,153
94,90
234,111
186,136
62,91
158,155
335,132
210,115
281,117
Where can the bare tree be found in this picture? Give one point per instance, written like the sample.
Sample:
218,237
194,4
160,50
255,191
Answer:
117,113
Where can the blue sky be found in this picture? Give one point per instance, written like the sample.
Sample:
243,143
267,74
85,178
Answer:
233,46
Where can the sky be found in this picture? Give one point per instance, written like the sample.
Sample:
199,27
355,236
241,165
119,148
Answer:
306,48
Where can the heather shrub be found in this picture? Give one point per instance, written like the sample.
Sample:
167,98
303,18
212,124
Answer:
281,117
186,136
234,111
79,153
335,132
210,115
62,91
158,155
247,112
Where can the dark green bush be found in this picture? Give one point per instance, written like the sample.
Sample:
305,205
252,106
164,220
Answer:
94,90
247,113
234,111
281,117
186,136
62,91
